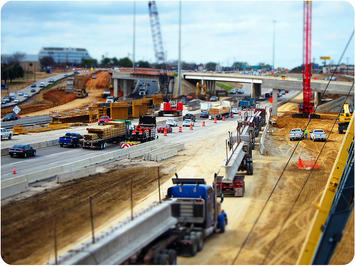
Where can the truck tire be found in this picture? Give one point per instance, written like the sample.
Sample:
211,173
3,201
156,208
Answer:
104,145
200,242
194,245
61,145
172,257
9,136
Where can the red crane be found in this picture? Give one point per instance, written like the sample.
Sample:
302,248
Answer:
307,107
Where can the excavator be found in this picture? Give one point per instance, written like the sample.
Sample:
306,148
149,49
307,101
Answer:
200,88
344,118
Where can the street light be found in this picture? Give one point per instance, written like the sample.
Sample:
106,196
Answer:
273,45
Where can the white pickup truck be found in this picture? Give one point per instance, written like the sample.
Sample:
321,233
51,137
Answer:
5,134
296,134
318,135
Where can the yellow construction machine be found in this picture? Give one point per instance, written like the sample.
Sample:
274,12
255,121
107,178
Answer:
344,118
201,88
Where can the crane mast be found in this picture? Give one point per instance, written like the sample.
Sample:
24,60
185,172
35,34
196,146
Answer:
307,107
156,32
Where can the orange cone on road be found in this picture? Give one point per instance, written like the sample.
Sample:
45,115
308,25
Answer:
232,115
215,119
191,127
14,171
223,118
203,123
165,132
300,163
180,129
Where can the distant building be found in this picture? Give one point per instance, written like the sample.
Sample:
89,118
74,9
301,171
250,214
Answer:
64,55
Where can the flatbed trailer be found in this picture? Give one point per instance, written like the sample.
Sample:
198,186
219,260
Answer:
100,144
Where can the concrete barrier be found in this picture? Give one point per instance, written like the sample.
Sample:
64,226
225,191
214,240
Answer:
262,148
119,243
13,186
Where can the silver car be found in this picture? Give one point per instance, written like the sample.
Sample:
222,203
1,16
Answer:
318,135
296,134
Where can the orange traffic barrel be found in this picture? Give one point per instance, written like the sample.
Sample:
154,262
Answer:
203,123
165,132
180,129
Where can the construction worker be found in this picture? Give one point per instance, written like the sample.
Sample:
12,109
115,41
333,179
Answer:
305,133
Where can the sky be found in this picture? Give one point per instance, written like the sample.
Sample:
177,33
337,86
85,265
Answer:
218,31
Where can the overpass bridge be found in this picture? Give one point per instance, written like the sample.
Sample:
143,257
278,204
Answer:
274,83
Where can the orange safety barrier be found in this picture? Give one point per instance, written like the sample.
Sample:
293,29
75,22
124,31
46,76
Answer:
165,132
215,119
307,164
180,129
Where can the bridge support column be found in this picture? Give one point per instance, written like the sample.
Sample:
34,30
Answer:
274,102
115,87
125,87
255,90
316,98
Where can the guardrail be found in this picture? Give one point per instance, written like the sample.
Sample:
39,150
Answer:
82,168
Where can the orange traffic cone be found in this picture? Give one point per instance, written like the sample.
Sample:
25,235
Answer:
223,118
165,132
215,119
300,163
232,115
191,126
203,123
14,171
180,129
240,113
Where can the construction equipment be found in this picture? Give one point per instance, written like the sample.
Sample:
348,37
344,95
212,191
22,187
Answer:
344,118
171,107
145,130
178,225
335,206
201,88
306,109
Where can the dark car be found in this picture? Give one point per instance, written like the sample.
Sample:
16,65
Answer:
34,85
10,117
189,116
22,150
204,114
33,90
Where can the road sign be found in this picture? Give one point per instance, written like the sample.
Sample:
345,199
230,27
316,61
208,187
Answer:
16,109
325,57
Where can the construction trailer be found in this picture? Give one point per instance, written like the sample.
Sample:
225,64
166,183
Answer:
171,107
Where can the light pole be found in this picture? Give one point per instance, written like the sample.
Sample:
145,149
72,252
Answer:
179,61
273,45
134,35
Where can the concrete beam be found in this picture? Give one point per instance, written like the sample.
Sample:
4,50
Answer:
274,103
119,243
317,96
236,157
115,87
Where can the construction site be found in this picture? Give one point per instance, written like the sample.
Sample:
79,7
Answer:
142,166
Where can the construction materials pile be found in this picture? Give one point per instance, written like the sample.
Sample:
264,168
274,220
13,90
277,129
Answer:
107,131
219,110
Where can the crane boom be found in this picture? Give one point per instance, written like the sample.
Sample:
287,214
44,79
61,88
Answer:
156,32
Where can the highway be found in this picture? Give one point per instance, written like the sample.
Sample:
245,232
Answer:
28,89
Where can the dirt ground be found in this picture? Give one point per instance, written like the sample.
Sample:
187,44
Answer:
94,87
27,225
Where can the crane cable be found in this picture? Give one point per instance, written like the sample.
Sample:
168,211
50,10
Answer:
289,159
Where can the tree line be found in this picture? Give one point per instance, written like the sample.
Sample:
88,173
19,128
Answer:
10,67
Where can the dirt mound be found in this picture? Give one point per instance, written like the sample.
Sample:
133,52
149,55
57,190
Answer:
58,97
102,81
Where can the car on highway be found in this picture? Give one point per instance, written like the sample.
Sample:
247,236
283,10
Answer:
189,116
318,135
240,91
42,85
6,134
51,80
20,93
34,85
235,110
168,129
66,74
10,117
22,151
16,100
33,90
26,95
76,72
5,100
214,99
233,91
204,114
171,122
296,134
110,99
187,123
104,119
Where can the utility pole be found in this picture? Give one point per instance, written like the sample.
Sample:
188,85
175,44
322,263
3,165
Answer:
179,61
134,35
273,45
